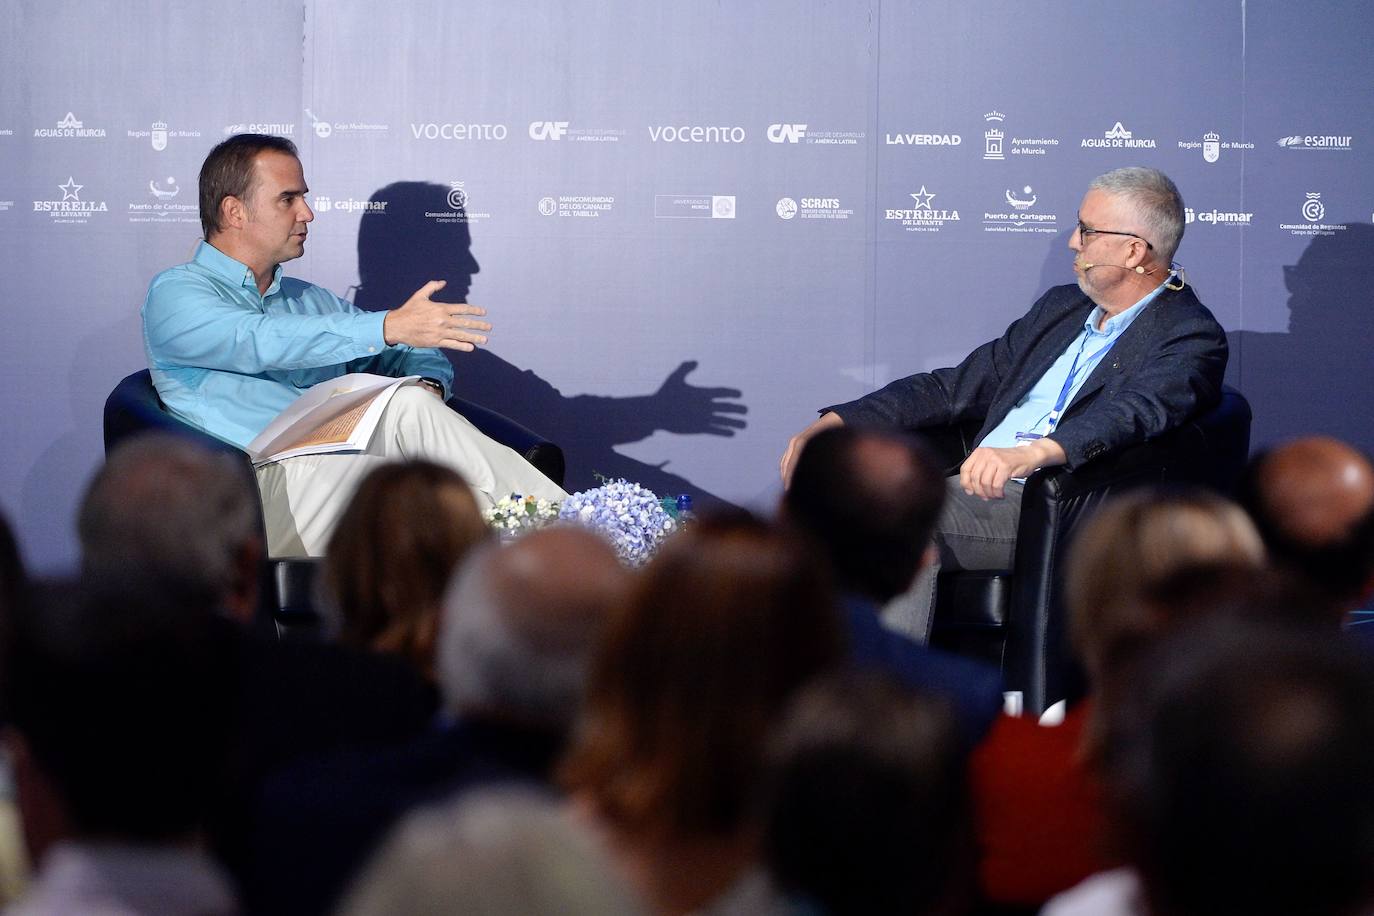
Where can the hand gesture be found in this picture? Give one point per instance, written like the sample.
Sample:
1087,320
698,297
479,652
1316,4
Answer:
422,322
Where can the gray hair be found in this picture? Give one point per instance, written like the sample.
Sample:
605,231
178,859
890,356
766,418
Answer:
519,625
1154,198
494,852
166,507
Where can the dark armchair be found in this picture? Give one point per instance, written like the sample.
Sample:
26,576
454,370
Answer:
1014,618
133,407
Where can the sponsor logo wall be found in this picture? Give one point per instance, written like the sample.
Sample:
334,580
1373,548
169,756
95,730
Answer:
643,179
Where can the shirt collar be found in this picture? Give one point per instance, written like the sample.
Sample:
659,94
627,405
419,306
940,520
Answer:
1121,320
232,270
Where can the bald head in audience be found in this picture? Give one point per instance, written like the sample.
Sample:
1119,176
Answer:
1313,502
519,625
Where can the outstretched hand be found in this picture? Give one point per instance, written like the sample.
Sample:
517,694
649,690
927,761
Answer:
688,410
422,322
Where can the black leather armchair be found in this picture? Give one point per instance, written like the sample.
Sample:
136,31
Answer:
134,407
1015,618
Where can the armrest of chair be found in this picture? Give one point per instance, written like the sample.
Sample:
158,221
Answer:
547,457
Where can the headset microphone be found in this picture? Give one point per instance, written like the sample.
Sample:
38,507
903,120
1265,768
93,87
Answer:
1089,265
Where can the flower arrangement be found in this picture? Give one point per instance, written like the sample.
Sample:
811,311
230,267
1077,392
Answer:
516,514
631,517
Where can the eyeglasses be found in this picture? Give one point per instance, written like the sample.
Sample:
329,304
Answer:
1084,232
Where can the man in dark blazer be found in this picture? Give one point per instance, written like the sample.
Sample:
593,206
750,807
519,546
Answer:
870,499
1122,357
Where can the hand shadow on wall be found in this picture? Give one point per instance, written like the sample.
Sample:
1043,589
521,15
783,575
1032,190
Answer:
1316,378
400,248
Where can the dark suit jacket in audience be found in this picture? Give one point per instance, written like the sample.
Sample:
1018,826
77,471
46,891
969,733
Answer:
319,821
973,688
300,699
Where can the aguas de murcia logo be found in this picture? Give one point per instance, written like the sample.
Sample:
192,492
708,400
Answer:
68,128
1117,138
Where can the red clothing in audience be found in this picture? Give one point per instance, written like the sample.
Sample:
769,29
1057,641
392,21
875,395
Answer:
1040,822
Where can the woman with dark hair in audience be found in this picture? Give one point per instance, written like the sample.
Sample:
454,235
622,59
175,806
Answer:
1135,570
390,558
726,623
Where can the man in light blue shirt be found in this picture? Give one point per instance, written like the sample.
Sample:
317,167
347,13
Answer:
231,342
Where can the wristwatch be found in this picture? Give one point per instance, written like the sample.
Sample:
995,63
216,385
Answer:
435,384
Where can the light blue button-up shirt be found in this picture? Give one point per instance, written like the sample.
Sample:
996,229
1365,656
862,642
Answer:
228,359
1032,413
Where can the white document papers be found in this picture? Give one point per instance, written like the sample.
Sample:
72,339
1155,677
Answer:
339,415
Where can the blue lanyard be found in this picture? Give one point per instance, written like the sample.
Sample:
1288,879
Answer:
1073,373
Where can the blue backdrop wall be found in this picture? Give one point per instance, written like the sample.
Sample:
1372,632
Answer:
692,223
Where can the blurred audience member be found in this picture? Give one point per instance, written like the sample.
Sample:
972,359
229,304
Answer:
118,720
1240,774
727,622
392,553
14,859
13,579
493,853
519,626
867,802
173,512
1040,818
1313,502
184,521
870,499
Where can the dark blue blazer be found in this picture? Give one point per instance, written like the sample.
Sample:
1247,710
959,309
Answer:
973,689
1166,367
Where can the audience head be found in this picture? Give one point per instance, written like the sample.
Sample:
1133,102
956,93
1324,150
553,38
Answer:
871,498
178,513
1240,772
229,171
867,809
725,623
1313,502
520,623
12,576
1130,546
502,852
392,553
116,699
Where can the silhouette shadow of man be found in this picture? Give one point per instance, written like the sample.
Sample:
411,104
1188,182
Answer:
422,234
1315,378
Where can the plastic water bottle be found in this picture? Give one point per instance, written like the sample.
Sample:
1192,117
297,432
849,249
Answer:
684,507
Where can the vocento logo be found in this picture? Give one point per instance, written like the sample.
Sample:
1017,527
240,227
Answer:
696,134
786,133
430,130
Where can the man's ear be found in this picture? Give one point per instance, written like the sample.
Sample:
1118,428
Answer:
233,212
